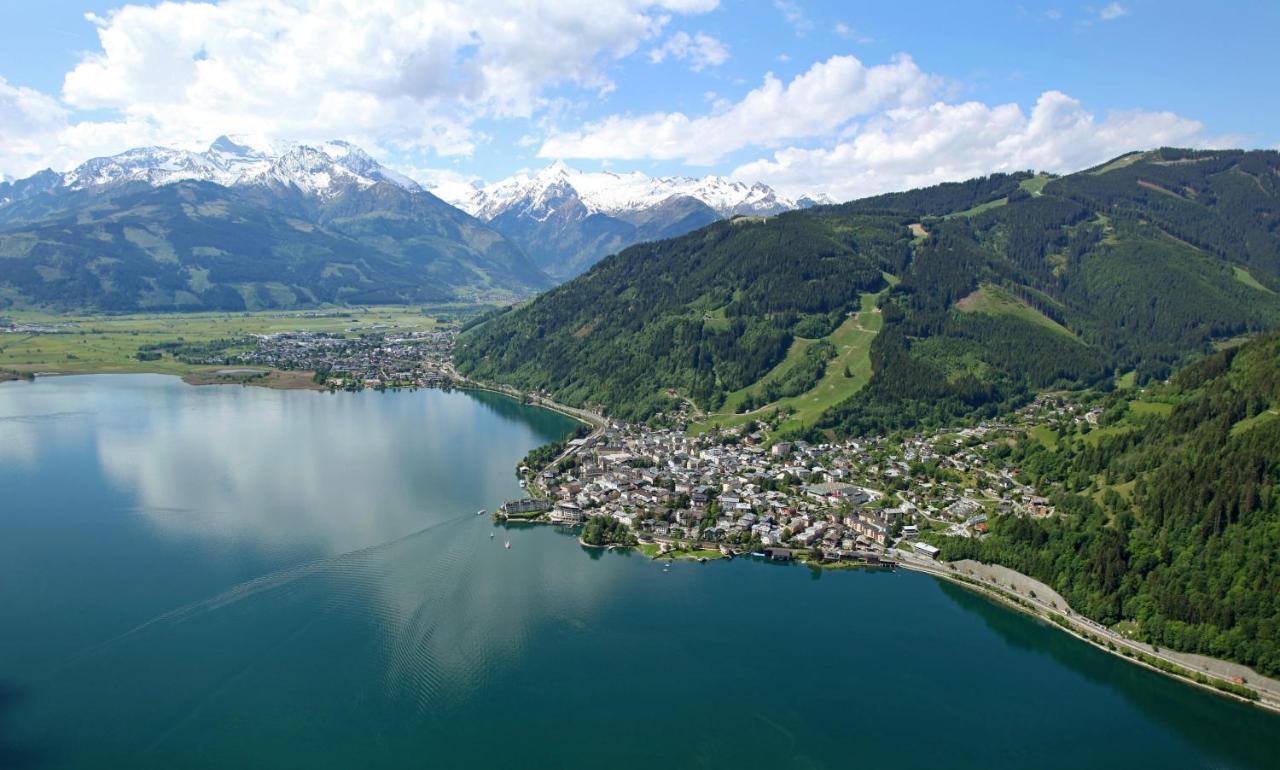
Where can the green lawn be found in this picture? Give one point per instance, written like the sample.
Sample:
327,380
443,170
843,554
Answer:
852,340
109,343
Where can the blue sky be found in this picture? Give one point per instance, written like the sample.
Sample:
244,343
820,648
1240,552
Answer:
860,96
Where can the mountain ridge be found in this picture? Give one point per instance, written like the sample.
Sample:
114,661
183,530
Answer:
567,219
1139,279
295,225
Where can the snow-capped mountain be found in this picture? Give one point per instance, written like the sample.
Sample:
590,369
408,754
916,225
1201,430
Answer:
618,194
323,170
567,219
239,226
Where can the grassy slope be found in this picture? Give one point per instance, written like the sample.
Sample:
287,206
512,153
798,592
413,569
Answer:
853,349
994,300
109,344
1245,277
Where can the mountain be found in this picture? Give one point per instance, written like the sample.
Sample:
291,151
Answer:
1182,537
236,227
987,291
567,220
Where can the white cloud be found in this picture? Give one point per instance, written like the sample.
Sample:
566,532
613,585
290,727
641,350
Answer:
404,74
700,50
919,146
795,16
36,132
1112,12
445,183
849,33
814,104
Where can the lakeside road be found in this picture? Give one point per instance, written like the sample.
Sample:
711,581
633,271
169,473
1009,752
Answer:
1039,600
594,419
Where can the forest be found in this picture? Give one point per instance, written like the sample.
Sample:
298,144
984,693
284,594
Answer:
1172,522
1107,272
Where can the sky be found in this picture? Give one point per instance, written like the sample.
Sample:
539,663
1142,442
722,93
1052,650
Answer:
842,98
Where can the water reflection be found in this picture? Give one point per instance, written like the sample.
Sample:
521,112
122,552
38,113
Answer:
363,508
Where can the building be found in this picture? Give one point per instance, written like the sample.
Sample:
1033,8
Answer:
924,549
527,505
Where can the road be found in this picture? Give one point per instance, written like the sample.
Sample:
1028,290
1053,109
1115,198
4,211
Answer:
1046,601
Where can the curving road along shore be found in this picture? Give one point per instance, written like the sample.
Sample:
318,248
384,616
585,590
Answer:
1039,600
594,419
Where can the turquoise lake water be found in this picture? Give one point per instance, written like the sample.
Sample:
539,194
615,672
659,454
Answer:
227,577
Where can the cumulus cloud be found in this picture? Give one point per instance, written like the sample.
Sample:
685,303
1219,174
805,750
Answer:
36,132
914,147
700,50
394,74
814,104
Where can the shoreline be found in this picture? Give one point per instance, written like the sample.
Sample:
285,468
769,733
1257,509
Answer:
1070,622
1063,618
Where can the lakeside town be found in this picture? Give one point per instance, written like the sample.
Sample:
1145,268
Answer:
725,491
371,359
730,492
676,489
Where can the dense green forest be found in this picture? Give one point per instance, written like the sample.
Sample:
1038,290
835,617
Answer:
1172,521
1002,286
703,314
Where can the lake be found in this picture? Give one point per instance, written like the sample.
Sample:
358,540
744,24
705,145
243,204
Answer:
225,577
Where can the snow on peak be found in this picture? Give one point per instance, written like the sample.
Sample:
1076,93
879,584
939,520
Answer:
235,161
612,193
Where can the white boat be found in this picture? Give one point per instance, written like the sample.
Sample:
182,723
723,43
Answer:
480,512
508,544
490,535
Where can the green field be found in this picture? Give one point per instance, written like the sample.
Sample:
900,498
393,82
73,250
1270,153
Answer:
1157,408
1035,185
981,207
1245,277
994,300
86,344
853,350
1045,435
1249,423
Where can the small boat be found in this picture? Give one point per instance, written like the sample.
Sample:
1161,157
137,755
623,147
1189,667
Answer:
508,544
480,512
490,535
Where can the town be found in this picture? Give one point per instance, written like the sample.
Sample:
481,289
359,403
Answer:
863,501
369,359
